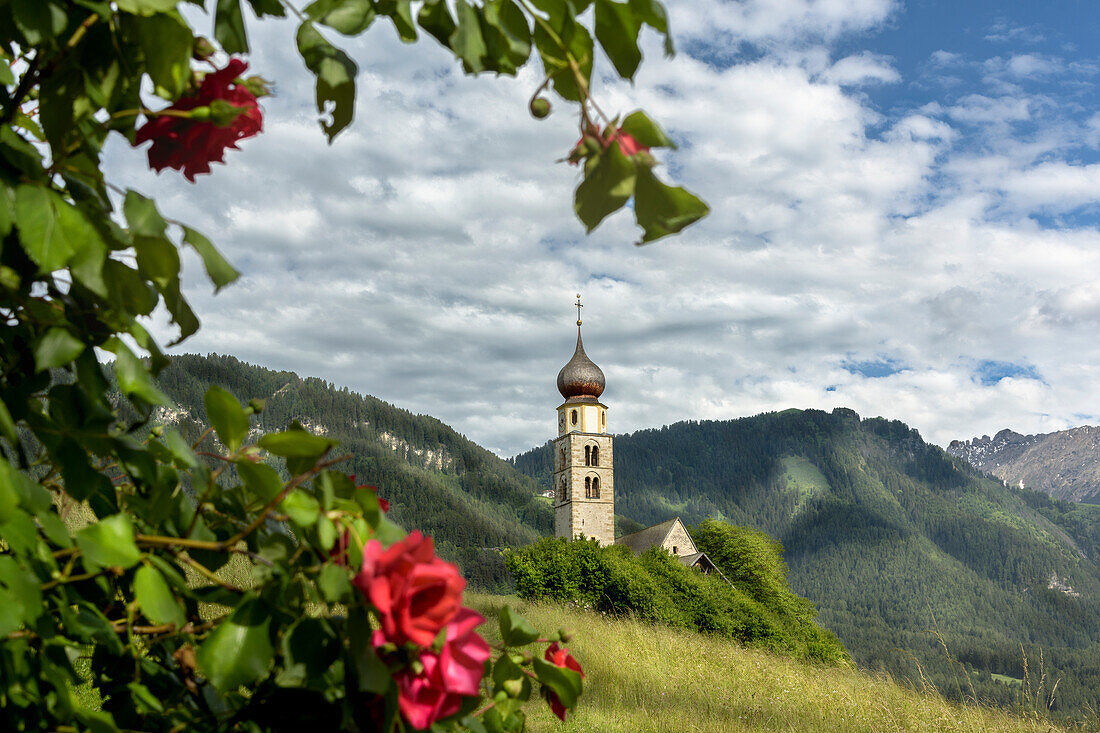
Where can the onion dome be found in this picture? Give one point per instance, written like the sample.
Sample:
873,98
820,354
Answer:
580,377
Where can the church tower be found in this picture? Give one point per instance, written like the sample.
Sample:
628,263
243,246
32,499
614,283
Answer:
584,486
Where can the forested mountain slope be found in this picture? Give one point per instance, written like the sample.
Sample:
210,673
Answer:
1065,464
890,537
436,480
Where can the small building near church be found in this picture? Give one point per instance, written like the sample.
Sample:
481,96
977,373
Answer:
584,474
673,537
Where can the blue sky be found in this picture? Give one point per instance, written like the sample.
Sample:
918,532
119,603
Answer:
905,222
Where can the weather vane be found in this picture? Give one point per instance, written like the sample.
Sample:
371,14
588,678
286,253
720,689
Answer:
579,306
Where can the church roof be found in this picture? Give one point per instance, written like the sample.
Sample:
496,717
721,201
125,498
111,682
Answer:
644,539
580,378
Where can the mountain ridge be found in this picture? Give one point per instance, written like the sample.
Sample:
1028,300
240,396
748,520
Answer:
889,536
1064,464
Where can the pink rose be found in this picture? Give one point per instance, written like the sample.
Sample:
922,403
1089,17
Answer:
455,672
416,594
628,145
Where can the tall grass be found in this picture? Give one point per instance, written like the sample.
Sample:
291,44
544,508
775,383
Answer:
643,678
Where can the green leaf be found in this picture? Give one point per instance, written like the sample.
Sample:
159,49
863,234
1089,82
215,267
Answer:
515,630
40,232
239,651
372,673
7,205
652,13
182,315
507,35
466,41
565,683
638,125
350,17
156,599
181,450
333,583
229,27
302,508
157,260
617,31
7,425
606,188
220,272
400,12
326,533
262,481
55,348
39,20
435,18
295,444
96,721
145,701
167,42
227,416
311,646
109,543
133,377
143,217
579,43
267,7
504,671
146,7
661,209
335,74
20,596
11,612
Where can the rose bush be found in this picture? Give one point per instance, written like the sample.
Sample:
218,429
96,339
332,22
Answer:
234,582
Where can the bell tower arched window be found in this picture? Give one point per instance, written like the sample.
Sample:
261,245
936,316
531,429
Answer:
587,487
573,417
588,455
562,493
595,487
595,455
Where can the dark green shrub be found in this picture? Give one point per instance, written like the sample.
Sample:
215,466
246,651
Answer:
657,587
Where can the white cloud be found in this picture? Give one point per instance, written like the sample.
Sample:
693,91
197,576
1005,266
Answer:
863,68
430,255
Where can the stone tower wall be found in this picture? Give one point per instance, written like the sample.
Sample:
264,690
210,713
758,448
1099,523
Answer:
574,513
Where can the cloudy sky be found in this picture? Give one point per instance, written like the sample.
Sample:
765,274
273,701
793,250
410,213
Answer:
905,222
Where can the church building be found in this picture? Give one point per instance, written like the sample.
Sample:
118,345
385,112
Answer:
584,474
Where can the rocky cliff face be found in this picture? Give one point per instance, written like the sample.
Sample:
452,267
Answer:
1065,464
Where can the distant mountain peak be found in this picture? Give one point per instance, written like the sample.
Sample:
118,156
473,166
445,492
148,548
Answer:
1064,464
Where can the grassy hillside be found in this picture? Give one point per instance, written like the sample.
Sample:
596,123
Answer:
655,679
436,480
890,538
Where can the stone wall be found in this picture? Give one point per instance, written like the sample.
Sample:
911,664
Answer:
681,540
574,513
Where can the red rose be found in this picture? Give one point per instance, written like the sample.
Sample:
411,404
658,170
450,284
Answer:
559,657
415,592
629,145
190,145
455,672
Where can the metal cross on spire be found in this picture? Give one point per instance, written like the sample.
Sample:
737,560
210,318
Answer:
579,306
